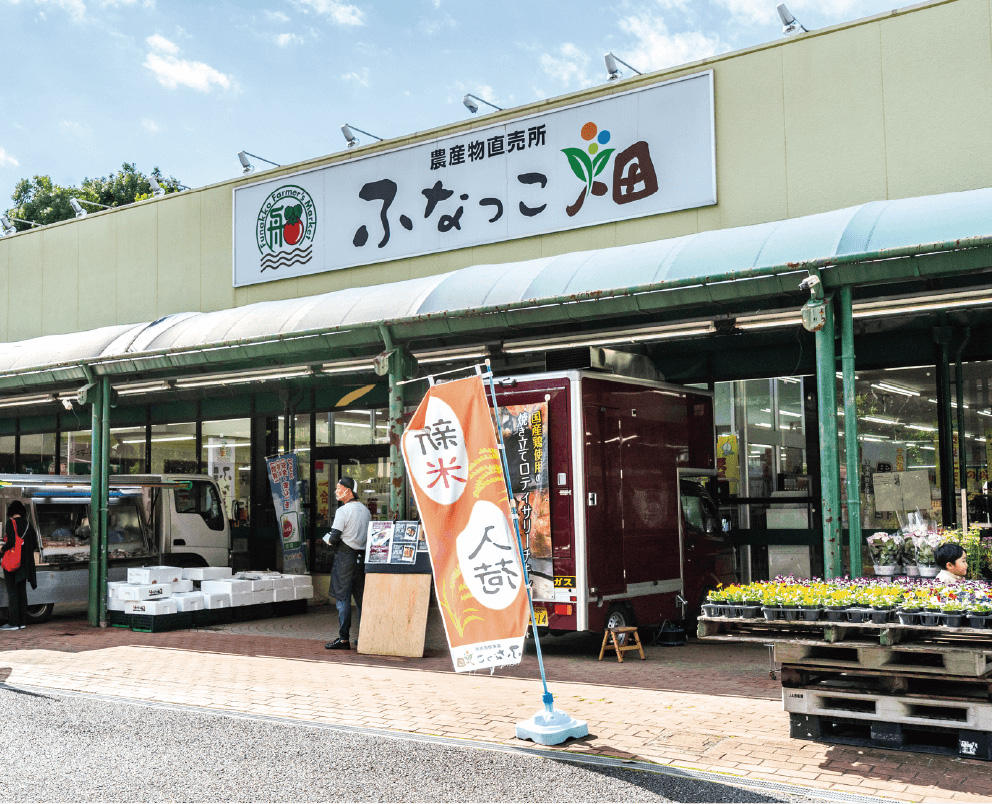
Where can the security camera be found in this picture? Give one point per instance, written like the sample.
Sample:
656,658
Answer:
810,283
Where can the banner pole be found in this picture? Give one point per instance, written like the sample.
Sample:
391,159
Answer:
551,726
548,698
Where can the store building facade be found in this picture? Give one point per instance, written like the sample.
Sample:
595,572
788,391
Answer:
670,217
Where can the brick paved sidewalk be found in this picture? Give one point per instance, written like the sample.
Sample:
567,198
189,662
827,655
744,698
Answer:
704,706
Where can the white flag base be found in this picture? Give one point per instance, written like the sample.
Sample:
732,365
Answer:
551,728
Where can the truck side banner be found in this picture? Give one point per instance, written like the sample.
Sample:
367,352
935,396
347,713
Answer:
284,472
457,478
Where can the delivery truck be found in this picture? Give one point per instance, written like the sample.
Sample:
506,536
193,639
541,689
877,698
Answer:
610,479
159,519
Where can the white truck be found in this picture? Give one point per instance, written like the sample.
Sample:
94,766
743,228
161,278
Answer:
147,523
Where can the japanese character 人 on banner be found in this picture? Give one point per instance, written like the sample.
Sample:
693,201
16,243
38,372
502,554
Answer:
457,477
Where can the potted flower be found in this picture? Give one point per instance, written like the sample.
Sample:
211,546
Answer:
883,603
910,606
811,602
713,607
790,600
837,602
886,552
930,610
979,613
771,602
924,547
953,609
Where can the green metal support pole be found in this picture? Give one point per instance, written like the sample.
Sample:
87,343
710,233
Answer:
945,427
104,492
959,394
93,608
851,434
397,469
826,386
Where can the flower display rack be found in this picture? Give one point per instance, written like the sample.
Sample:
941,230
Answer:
748,629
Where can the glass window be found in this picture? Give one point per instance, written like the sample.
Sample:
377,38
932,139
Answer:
201,499
127,450
345,427
74,453
64,529
38,454
174,449
226,457
7,464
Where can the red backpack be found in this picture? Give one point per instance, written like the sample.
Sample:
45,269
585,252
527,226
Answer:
11,560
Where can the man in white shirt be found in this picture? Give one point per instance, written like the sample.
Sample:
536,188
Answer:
349,531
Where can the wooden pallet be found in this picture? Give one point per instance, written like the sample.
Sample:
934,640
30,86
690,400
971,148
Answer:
913,658
739,629
956,741
906,710
884,682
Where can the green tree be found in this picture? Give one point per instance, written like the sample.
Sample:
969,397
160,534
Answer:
42,201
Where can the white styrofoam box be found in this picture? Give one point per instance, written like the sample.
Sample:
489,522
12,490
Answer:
284,594
300,580
182,585
189,601
302,592
254,575
262,584
112,585
206,573
241,599
216,600
263,596
146,591
232,586
167,606
145,575
113,604
283,582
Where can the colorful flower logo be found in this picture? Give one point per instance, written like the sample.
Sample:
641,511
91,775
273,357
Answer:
588,162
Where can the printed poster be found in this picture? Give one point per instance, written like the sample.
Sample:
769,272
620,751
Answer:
220,466
525,436
284,474
457,478
393,543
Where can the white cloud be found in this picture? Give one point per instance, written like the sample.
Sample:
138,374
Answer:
163,45
761,11
338,12
150,125
172,72
360,76
569,66
287,39
433,26
74,8
72,128
276,16
6,160
655,48
116,3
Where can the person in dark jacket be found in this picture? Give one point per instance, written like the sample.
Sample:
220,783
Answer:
17,581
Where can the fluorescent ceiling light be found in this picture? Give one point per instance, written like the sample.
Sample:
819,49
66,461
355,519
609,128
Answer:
879,420
237,379
606,338
141,388
441,355
895,389
922,427
36,399
873,438
161,438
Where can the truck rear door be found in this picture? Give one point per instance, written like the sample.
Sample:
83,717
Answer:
604,509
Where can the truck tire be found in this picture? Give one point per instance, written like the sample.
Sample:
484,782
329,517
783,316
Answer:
620,615
41,613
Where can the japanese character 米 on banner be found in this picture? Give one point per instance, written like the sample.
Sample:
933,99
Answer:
457,477
284,475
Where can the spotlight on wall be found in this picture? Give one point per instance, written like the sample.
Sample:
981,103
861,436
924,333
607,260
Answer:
248,166
7,227
790,25
611,66
470,103
349,134
157,189
80,212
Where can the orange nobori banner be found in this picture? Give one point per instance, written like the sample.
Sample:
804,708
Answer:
457,477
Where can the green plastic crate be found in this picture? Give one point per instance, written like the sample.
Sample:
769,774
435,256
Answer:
155,623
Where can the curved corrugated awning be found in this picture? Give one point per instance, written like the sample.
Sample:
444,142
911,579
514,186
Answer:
738,253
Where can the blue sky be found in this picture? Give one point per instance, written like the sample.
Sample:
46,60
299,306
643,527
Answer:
89,84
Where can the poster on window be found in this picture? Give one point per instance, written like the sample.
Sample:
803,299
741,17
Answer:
457,477
220,466
525,436
284,474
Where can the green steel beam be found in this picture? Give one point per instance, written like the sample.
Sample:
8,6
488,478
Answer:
826,386
396,363
96,459
104,468
853,458
945,427
959,393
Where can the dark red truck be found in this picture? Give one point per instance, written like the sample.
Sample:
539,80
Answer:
617,522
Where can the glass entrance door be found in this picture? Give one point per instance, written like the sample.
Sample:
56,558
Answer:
369,467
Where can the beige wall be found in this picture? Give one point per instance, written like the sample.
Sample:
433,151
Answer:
898,105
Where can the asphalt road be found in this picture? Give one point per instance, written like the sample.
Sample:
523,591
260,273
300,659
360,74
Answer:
75,748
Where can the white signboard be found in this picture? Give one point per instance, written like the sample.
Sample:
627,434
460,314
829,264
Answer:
639,153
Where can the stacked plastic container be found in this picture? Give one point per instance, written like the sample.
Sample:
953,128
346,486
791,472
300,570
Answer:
167,598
